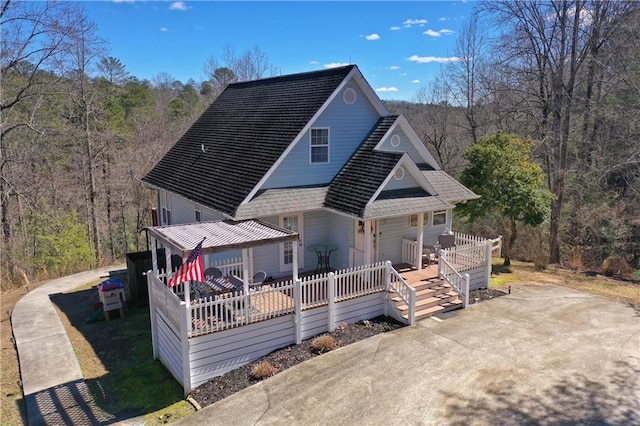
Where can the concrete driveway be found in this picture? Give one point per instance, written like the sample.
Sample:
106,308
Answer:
542,355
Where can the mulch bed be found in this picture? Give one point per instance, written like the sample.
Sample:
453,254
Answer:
241,378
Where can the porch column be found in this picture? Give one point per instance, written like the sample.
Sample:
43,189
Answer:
154,256
295,260
245,270
420,240
368,242
167,257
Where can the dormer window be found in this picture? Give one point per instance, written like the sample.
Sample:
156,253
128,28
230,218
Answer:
319,145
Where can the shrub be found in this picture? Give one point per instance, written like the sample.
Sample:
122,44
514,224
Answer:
324,343
262,370
616,265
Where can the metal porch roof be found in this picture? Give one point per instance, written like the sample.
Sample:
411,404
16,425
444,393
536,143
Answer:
220,235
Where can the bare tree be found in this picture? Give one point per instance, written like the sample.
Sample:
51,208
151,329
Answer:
33,44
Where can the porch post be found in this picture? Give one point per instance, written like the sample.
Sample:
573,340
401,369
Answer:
489,266
167,257
245,270
331,305
153,316
367,242
420,240
295,260
154,256
297,303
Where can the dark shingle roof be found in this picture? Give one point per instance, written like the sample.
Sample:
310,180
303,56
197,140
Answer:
364,173
244,131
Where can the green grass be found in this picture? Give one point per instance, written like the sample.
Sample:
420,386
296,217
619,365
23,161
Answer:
117,362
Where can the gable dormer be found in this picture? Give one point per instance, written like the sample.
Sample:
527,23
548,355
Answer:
402,138
330,138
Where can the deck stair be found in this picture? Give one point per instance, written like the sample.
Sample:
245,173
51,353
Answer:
433,296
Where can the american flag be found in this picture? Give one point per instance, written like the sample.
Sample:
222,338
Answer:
191,270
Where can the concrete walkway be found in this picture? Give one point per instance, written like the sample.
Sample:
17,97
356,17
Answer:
52,382
542,355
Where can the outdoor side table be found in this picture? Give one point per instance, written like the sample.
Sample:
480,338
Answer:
323,251
111,293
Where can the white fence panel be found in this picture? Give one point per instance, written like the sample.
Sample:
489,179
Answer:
169,349
214,354
314,322
358,309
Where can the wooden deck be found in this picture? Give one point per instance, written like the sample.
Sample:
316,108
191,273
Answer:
413,277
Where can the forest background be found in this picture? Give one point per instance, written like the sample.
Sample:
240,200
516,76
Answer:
77,132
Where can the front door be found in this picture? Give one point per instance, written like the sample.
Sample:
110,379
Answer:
292,223
360,243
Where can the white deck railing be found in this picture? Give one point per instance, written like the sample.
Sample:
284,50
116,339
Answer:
221,312
404,291
458,281
466,257
231,266
410,252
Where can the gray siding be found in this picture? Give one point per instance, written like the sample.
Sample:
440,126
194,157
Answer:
348,125
341,231
393,230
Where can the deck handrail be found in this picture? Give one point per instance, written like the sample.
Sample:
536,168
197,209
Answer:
458,281
314,292
406,293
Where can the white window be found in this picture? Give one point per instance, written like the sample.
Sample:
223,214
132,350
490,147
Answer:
319,145
166,208
439,218
413,220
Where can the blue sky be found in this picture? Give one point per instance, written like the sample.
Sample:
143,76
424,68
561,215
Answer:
398,46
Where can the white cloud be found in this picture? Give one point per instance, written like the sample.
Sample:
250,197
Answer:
443,19
410,22
314,62
336,64
395,28
372,37
124,1
403,74
387,89
415,81
432,33
432,59
178,5
164,29
394,67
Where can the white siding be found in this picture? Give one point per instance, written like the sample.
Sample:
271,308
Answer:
169,348
360,308
214,354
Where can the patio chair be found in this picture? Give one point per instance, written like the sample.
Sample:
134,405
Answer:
446,241
427,255
198,289
258,279
213,272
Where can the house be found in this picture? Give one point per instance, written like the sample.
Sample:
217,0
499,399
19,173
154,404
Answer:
305,174
317,153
